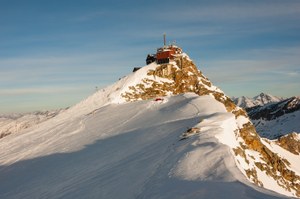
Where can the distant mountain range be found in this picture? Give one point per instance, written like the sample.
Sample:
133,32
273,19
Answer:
259,100
17,122
272,116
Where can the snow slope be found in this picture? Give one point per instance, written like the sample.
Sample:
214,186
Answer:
109,154
121,142
280,126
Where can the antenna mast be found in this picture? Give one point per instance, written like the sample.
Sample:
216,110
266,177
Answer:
164,39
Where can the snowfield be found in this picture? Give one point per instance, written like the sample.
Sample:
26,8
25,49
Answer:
128,150
283,125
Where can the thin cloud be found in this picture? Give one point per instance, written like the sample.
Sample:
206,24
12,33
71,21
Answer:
292,74
41,90
89,16
234,12
68,63
262,64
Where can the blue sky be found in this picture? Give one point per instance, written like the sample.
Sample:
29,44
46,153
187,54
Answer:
54,53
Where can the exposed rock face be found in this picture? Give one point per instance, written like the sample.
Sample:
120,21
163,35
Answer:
272,165
182,76
290,142
185,78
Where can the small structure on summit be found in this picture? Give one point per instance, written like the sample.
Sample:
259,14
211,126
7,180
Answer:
150,58
167,53
136,69
164,54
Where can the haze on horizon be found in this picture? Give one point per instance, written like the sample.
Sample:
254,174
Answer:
55,53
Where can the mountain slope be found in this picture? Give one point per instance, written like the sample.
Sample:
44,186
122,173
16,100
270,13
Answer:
134,155
245,143
162,132
277,119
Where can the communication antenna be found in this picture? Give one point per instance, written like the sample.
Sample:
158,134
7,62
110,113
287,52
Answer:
165,39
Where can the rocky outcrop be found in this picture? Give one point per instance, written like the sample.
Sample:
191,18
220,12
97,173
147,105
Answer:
273,165
186,78
290,142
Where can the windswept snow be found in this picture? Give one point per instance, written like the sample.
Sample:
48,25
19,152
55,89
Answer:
129,150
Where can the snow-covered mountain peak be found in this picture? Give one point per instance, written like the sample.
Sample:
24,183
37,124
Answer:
259,100
178,76
155,81
264,98
164,125
253,156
